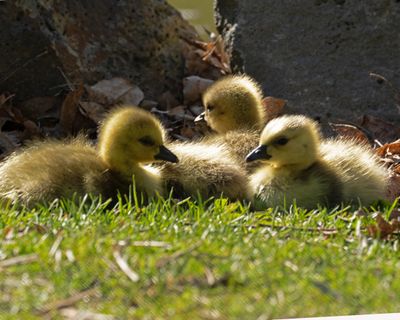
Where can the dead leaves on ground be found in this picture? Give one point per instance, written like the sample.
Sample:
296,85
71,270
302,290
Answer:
382,228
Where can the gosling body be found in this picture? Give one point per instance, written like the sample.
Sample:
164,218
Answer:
205,170
298,166
47,170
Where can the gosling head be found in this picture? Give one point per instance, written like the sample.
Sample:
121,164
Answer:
288,141
130,136
231,103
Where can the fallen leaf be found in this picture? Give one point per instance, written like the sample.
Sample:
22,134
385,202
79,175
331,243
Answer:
193,88
194,63
70,109
351,132
389,149
393,190
382,130
93,111
273,107
188,132
167,101
382,228
38,106
177,112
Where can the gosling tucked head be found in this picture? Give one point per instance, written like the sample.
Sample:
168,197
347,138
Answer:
231,103
130,136
288,141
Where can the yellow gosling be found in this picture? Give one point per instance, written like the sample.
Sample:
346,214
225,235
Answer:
234,110
128,139
297,165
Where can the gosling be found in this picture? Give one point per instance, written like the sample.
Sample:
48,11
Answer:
205,170
128,138
298,166
234,110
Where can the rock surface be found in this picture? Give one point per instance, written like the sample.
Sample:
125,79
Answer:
318,53
46,42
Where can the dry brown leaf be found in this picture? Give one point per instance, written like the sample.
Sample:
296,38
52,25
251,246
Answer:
69,109
382,130
188,132
177,112
350,132
115,91
93,111
389,149
36,107
393,190
167,101
193,88
273,107
382,228
215,54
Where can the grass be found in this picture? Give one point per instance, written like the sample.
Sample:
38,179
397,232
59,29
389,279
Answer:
210,260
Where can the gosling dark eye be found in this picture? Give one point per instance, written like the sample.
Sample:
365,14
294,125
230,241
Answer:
210,108
281,141
147,141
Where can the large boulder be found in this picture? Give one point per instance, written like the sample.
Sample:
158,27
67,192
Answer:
47,44
318,53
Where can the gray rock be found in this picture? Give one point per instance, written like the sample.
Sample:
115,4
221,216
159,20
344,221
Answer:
318,53
28,63
45,42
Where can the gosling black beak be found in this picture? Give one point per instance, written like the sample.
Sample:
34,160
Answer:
166,155
259,153
200,117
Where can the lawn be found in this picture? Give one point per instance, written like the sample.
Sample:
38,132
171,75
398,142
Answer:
186,260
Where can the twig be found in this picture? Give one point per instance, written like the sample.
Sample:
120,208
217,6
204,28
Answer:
28,258
56,244
70,301
68,82
123,265
147,243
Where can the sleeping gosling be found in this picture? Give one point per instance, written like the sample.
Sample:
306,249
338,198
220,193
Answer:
128,138
234,110
298,166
